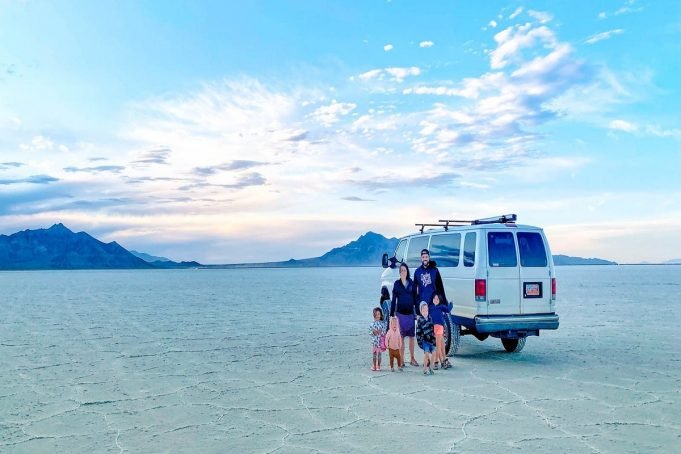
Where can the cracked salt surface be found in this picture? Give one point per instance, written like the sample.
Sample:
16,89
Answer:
275,361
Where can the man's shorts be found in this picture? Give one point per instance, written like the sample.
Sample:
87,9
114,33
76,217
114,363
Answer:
428,347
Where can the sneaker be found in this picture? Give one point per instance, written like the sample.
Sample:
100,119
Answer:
425,372
437,366
446,364
414,363
430,371
392,369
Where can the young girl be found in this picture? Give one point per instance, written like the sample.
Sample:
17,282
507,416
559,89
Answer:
425,337
377,329
437,315
393,340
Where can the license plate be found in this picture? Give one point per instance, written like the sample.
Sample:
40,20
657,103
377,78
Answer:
532,290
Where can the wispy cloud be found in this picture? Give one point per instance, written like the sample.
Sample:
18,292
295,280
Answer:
603,36
426,44
356,199
8,165
388,47
642,130
34,179
38,143
95,170
622,125
332,113
396,74
516,13
159,156
237,164
541,16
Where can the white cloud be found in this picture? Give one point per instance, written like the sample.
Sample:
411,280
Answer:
330,114
516,13
388,47
492,23
649,129
38,143
426,44
622,125
511,41
396,74
602,15
628,8
541,16
603,36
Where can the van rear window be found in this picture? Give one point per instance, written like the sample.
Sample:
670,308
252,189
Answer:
501,249
469,249
445,249
532,250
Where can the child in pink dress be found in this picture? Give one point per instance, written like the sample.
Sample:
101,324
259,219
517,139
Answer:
377,330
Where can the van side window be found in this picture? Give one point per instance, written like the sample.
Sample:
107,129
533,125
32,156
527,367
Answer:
501,249
416,244
401,249
445,249
532,250
469,249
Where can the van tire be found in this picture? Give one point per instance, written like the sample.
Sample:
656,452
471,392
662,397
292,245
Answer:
452,336
514,345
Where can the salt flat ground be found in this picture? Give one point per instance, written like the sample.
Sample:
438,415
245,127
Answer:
277,360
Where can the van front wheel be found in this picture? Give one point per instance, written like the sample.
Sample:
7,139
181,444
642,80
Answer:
514,345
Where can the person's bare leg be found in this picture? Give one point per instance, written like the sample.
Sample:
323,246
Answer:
411,351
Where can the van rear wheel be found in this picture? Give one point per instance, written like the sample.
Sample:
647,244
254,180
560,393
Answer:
452,336
514,345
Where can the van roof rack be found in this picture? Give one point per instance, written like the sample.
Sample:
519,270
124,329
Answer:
423,226
503,219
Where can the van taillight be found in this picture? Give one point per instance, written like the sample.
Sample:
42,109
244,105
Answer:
480,290
553,288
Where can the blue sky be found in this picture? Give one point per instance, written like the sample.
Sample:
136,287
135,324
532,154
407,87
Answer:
262,130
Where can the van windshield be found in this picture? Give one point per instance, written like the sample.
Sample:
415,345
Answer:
501,248
416,244
532,250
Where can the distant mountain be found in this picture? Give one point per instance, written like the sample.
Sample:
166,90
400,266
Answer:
149,258
364,251
560,260
60,248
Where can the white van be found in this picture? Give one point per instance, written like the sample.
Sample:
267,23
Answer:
499,276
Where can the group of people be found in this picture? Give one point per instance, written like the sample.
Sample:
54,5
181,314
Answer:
416,311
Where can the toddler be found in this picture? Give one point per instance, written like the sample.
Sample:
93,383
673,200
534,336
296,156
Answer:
377,330
393,340
425,337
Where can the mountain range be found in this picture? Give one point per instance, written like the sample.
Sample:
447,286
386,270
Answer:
60,248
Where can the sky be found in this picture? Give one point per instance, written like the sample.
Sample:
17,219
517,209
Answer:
241,131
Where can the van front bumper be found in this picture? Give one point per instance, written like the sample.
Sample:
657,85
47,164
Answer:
496,323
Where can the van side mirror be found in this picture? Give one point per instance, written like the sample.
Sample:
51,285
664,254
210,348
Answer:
388,262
